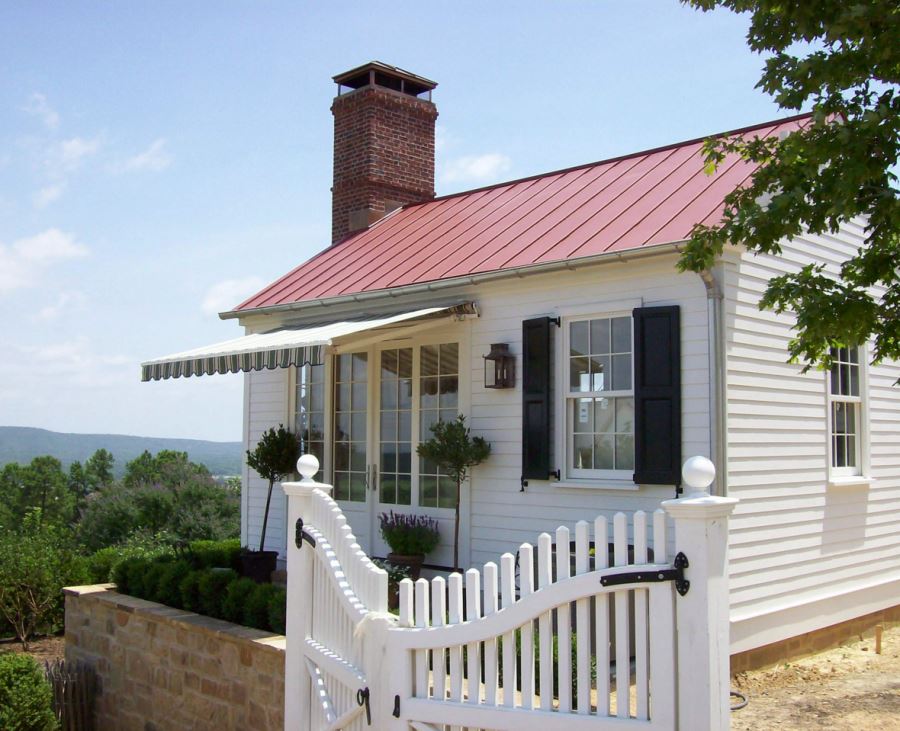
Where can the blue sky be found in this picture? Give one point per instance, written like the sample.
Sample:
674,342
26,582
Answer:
160,161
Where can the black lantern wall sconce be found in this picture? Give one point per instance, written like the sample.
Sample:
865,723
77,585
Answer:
499,367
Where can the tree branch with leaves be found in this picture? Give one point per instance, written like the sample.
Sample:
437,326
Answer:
841,59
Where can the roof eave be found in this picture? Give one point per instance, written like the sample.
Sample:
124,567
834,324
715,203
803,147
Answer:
467,280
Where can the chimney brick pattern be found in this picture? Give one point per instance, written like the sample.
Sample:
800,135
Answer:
383,156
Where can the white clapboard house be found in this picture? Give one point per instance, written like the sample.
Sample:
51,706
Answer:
623,367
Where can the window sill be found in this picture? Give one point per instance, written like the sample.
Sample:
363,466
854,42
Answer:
848,481
617,485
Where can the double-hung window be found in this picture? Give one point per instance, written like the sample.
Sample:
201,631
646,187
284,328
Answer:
599,409
845,412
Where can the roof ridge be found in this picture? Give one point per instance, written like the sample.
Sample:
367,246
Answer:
617,158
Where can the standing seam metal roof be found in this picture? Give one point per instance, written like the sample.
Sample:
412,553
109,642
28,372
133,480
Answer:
640,200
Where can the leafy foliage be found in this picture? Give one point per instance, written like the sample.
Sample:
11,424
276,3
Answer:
274,457
843,59
35,564
41,484
162,495
455,451
199,582
409,535
102,564
26,699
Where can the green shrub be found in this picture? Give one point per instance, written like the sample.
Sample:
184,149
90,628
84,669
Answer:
235,598
189,589
130,576
278,610
168,587
120,575
213,585
25,695
102,564
154,587
35,564
256,611
215,554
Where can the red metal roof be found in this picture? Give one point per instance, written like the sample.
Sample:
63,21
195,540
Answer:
630,202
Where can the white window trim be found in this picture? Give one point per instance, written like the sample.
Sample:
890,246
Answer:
859,476
602,480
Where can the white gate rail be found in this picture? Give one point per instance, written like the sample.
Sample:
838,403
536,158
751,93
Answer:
559,639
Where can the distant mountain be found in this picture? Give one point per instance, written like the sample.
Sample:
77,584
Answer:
22,444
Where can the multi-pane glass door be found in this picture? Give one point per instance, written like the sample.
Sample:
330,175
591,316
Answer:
384,402
351,431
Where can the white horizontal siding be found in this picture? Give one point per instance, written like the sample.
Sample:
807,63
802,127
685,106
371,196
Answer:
266,406
794,540
502,515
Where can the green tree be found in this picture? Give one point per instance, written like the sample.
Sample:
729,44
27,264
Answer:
36,562
99,469
167,467
455,451
78,482
274,457
41,484
841,58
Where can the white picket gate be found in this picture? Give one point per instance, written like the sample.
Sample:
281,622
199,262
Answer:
471,652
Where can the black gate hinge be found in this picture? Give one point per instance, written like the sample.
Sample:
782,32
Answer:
362,698
301,535
675,574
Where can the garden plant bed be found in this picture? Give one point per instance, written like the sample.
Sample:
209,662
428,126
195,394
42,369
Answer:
41,649
849,687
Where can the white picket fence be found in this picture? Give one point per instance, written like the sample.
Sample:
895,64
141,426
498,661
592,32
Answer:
552,640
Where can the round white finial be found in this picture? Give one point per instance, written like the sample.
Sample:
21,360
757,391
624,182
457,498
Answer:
698,473
307,466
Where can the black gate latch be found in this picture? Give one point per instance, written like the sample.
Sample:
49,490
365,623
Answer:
301,535
362,698
675,574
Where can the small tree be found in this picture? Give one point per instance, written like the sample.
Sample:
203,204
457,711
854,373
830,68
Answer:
275,457
454,450
35,564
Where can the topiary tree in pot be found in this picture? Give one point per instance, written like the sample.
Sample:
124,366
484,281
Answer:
274,457
455,451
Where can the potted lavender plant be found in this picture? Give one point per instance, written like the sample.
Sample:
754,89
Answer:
410,537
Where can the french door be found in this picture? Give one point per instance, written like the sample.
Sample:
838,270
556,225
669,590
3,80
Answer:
385,398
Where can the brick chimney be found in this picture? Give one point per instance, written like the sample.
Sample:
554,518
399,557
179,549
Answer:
383,145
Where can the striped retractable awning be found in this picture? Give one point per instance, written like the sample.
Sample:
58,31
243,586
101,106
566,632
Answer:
276,349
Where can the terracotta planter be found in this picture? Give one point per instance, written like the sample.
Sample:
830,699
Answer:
259,565
412,562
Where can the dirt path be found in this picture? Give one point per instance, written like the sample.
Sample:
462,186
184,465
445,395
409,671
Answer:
849,687
44,648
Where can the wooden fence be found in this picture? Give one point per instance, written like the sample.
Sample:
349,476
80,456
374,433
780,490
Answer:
602,632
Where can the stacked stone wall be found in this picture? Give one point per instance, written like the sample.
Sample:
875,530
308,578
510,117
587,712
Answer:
163,669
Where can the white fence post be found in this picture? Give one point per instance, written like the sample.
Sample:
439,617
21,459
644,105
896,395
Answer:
297,686
701,534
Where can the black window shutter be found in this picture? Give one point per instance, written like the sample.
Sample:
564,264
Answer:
657,396
536,398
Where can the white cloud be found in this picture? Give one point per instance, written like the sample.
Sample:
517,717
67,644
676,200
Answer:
22,262
65,301
40,107
154,159
228,293
475,168
68,155
71,363
49,193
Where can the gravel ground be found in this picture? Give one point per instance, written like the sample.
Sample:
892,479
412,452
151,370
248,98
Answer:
849,687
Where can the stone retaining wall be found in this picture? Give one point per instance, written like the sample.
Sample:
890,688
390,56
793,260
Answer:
161,668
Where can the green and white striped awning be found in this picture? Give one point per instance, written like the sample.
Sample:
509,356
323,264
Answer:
281,348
